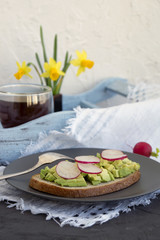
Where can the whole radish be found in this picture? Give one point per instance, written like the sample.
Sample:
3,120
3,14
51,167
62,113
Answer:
145,149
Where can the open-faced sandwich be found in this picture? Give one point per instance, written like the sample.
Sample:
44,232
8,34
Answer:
89,175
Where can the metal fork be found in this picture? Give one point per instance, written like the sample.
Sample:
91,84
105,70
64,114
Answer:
43,159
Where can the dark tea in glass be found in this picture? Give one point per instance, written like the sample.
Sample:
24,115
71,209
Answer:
20,103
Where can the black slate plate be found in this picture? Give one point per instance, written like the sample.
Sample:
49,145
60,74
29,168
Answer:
149,182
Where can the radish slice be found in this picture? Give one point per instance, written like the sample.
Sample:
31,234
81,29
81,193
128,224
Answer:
112,155
87,159
89,168
67,170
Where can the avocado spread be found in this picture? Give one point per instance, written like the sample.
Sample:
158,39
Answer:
111,170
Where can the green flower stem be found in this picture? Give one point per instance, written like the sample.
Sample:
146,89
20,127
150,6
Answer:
66,59
39,63
48,81
59,82
32,64
40,66
58,86
55,55
43,45
55,48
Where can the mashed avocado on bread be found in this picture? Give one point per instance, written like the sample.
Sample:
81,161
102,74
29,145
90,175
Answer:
88,175
111,170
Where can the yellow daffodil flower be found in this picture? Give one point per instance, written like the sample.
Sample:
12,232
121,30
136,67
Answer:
82,62
22,70
52,70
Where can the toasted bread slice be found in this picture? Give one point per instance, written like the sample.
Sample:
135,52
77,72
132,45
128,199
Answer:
79,192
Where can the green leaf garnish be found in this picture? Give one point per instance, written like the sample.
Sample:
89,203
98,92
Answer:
155,154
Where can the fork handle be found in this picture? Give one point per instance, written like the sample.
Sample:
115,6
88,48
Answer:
19,173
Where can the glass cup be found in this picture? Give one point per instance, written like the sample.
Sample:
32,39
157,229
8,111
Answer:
20,103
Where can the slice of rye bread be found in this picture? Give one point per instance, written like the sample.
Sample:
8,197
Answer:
78,192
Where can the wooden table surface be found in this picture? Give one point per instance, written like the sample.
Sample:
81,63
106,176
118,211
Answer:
142,223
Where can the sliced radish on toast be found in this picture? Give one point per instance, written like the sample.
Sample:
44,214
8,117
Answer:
112,155
87,159
89,168
67,170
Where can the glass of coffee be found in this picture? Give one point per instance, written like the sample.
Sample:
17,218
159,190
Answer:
20,103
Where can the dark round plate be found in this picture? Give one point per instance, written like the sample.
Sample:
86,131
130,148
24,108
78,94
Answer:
149,181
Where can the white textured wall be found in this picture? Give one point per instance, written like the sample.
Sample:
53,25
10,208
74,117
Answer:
121,36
